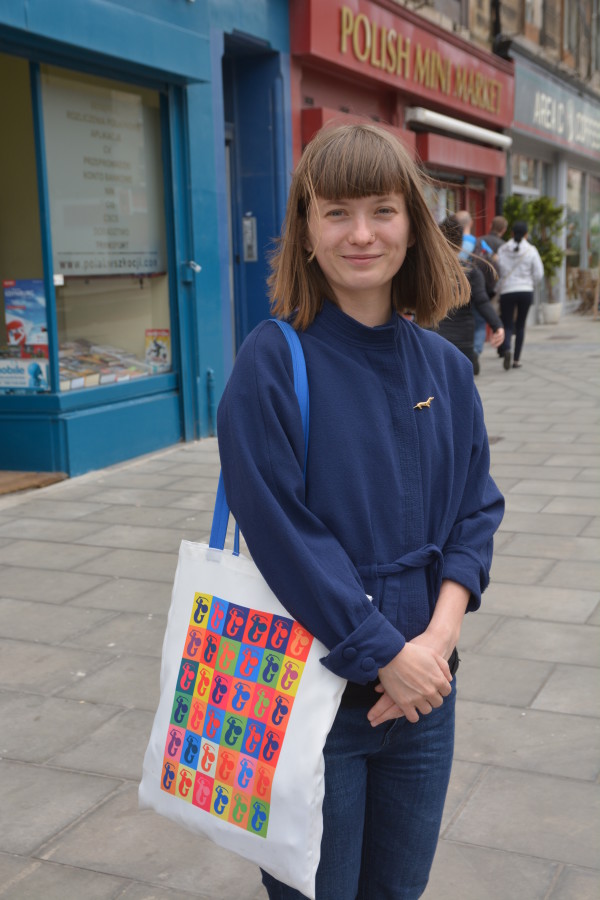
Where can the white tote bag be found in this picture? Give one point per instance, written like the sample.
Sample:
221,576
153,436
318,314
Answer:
236,749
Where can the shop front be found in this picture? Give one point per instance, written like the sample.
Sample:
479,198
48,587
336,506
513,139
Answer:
447,100
130,233
556,152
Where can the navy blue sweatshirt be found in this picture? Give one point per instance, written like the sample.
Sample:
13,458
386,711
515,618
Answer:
396,498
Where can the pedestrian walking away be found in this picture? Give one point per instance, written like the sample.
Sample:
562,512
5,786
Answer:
459,325
520,267
470,246
386,543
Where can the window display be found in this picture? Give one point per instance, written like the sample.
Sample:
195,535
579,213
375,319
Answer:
105,184
23,320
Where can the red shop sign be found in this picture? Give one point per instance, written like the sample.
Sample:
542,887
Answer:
385,44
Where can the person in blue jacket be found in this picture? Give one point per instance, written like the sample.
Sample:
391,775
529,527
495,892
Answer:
386,544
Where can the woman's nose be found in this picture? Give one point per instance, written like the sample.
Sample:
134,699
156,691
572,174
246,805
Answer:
361,231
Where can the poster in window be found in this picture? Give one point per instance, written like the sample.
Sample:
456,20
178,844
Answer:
104,180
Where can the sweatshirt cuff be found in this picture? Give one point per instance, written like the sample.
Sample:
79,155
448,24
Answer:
367,649
463,565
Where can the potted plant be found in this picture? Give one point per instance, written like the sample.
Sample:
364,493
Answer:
545,220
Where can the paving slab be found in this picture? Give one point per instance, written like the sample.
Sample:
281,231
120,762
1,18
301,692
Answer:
536,602
531,814
38,803
32,880
526,739
135,595
476,873
114,747
576,884
509,569
47,554
586,506
129,681
118,839
583,574
47,529
163,517
144,564
137,537
35,728
44,668
542,523
549,641
549,546
139,633
574,690
46,586
507,682
28,620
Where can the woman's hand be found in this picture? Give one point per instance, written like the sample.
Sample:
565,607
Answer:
497,338
415,681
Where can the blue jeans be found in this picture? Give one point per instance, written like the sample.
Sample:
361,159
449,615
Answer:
385,789
479,334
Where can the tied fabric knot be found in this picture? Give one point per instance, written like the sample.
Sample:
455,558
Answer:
427,555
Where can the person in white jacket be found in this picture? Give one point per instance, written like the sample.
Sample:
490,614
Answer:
520,267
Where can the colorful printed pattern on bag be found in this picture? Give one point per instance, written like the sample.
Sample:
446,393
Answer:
235,691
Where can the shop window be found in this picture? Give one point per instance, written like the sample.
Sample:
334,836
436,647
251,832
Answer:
23,325
105,184
524,174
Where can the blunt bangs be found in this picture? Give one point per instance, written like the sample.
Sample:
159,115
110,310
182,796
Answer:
347,164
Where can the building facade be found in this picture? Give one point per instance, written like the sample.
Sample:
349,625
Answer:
145,161
449,101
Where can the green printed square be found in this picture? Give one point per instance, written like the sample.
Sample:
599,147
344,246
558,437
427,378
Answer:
258,818
227,656
232,731
181,709
270,669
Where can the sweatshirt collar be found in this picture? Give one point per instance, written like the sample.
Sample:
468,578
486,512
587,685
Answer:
337,323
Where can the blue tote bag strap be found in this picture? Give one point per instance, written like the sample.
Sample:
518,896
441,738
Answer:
221,512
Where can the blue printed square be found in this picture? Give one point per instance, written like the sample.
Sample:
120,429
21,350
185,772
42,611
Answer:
279,634
218,615
249,662
190,750
235,622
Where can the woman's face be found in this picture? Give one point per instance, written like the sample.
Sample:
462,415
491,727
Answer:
360,245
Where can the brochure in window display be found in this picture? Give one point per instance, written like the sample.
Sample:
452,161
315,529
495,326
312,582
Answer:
24,359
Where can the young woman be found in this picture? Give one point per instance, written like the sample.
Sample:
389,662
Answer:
388,541
520,267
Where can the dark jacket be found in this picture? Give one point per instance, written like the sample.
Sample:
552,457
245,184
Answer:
459,326
396,497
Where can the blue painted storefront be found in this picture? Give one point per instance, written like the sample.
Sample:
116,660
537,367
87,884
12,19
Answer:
222,72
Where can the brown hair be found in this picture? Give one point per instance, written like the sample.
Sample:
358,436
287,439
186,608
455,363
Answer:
349,162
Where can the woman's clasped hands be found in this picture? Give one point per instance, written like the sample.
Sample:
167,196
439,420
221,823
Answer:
413,683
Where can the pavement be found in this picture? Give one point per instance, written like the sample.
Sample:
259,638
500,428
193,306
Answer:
86,568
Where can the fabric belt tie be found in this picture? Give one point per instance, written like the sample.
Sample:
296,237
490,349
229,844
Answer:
428,555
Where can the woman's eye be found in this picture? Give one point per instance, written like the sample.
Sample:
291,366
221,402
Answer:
385,211
335,213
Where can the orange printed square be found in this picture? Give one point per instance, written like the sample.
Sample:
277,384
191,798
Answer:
227,764
263,781
193,643
299,643
240,809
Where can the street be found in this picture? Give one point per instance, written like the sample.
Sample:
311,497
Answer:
86,568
